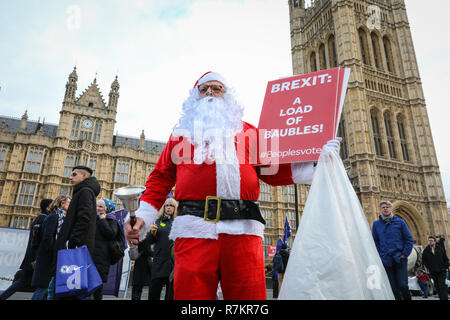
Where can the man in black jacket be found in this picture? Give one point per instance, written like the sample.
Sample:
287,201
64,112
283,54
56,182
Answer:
78,227
25,273
436,261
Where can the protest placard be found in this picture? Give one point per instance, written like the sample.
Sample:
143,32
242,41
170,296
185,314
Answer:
300,114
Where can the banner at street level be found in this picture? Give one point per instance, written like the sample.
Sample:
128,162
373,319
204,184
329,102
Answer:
13,243
300,114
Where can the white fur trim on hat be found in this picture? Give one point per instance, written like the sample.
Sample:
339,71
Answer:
210,76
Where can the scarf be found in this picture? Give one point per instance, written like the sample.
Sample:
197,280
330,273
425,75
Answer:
61,215
387,219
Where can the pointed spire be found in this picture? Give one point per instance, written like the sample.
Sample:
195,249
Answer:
74,75
114,94
142,141
115,84
23,122
71,86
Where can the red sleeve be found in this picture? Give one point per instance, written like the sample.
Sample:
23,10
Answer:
162,179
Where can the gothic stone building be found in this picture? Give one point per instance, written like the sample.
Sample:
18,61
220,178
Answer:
387,148
36,159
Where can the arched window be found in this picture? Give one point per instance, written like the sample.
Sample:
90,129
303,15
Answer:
322,57
403,140
332,51
376,50
75,128
390,135
364,46
376,132
388,53
312,62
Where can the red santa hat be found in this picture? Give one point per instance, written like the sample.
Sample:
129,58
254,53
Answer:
210,76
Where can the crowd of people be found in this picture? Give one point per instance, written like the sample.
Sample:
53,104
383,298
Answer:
68,222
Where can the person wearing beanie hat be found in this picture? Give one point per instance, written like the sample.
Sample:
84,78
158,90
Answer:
219,228
107,229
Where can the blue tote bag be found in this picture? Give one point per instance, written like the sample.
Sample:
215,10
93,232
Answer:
93,278
71,272
76,274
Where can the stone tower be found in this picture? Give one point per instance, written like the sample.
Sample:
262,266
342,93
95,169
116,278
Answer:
387,147
88,116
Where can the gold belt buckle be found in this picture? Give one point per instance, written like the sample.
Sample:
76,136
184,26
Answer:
205,217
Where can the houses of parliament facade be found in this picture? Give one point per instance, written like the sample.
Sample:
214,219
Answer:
387,146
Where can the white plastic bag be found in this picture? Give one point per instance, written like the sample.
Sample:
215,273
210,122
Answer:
334,255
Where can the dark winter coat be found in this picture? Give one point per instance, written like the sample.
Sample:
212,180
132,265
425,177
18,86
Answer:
142,271
106,231
46,252
285,256
162,262
437,262
392,239
33,244
78,228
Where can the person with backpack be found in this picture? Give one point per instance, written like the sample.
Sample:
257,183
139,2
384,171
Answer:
107,231
22,279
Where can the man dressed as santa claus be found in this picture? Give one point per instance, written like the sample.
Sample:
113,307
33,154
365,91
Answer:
211,158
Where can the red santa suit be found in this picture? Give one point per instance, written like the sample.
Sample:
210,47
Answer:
229,251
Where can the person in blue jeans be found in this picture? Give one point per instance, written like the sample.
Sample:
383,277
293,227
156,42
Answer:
394,243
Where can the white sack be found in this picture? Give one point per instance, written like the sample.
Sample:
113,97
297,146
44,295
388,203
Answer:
334,255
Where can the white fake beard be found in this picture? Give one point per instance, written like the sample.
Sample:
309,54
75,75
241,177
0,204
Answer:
210,124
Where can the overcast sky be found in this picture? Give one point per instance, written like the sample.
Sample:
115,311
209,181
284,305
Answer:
159,48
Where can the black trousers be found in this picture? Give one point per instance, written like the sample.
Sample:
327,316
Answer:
136,292
156,288
439,284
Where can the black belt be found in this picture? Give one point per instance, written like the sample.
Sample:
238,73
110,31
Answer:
214,209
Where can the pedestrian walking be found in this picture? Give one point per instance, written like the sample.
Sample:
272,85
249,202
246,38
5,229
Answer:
435,259
46,251
142,269
106,231
394,243
78,226
24,275
159,236
54,222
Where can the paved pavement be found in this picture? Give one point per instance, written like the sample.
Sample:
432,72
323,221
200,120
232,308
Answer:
27,296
